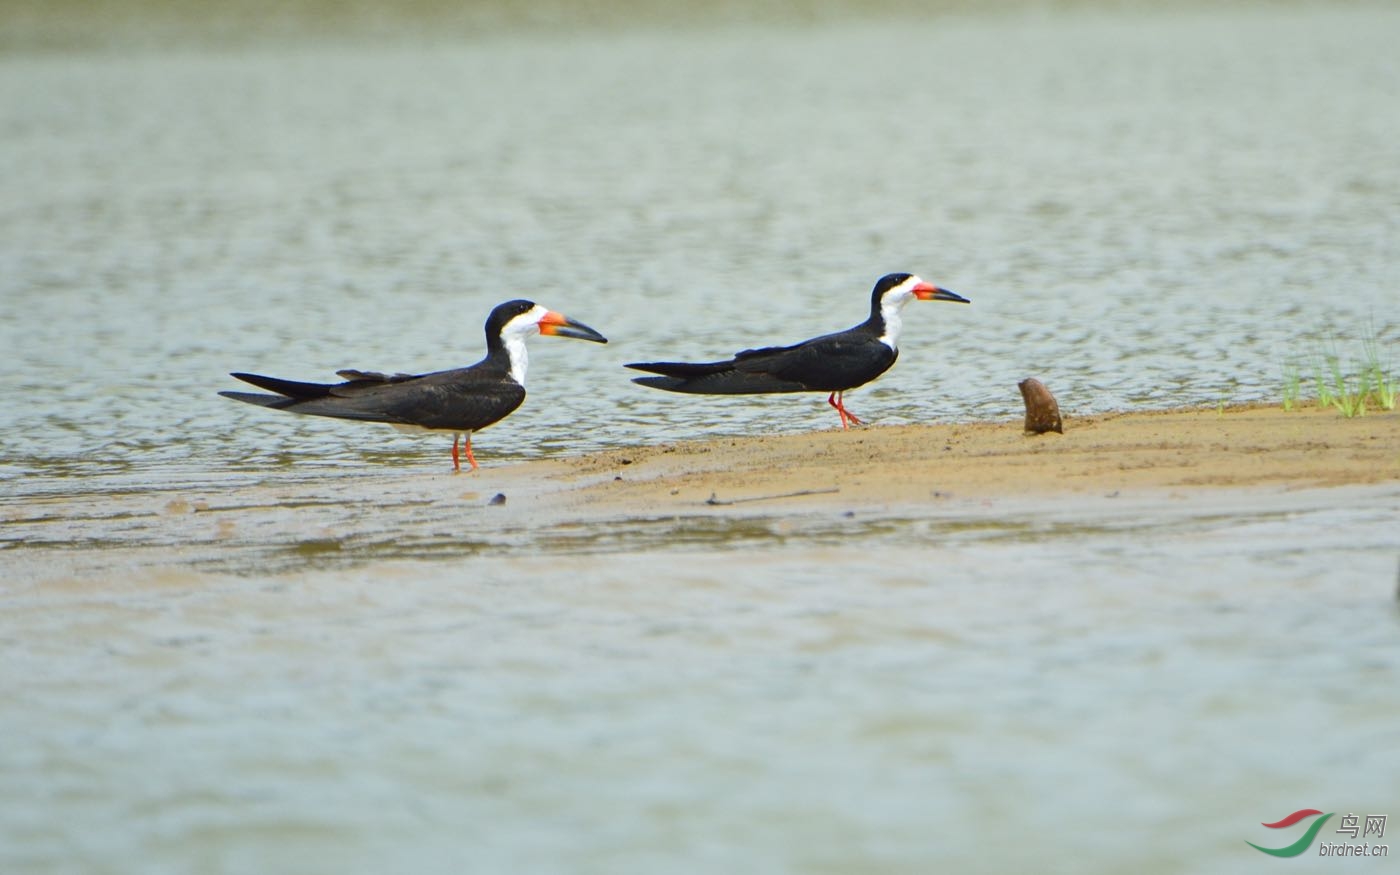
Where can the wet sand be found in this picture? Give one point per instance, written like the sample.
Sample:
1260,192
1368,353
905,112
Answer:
717,494
1190,614
237,642
1163,450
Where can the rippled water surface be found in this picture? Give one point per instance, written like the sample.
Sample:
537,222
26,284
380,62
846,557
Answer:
237,641
1153,209
1107,685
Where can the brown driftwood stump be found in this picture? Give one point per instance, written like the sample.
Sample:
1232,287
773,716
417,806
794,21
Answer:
1042,413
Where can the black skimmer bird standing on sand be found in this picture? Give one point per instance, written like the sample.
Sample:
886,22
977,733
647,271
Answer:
460,401
831,363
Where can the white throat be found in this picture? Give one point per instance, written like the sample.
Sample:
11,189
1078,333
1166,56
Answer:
890,306
519,357
513,336
891,303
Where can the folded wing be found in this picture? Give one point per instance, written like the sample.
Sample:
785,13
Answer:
449,400
831,363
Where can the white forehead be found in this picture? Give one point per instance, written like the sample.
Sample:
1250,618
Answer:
525,324
891,302
514,332
905,288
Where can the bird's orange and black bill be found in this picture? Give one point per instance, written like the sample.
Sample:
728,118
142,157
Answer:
930,292
559,325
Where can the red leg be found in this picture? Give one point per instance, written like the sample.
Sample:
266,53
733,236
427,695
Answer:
849,415
470,457
456,463
841,411
835,400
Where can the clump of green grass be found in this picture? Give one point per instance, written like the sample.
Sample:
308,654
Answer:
1292,384
1364,383
1381,383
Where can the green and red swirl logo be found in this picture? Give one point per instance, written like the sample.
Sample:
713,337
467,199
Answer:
1303,843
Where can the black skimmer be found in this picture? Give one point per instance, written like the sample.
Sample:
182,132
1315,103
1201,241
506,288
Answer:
460,401
830,363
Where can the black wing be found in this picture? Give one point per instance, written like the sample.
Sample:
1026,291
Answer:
834,362
465,399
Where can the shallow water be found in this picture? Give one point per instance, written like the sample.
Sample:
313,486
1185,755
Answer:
234,641
1154,209
1116,682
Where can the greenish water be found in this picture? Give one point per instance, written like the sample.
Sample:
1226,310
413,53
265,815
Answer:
1145,209
233,641
1082,686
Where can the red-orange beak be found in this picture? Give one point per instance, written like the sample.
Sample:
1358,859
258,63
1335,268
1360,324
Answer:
559,325
930,292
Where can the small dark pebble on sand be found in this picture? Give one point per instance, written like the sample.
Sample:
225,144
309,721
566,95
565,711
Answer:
498,498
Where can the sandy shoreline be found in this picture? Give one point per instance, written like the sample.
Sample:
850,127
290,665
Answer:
668,496
1172,450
